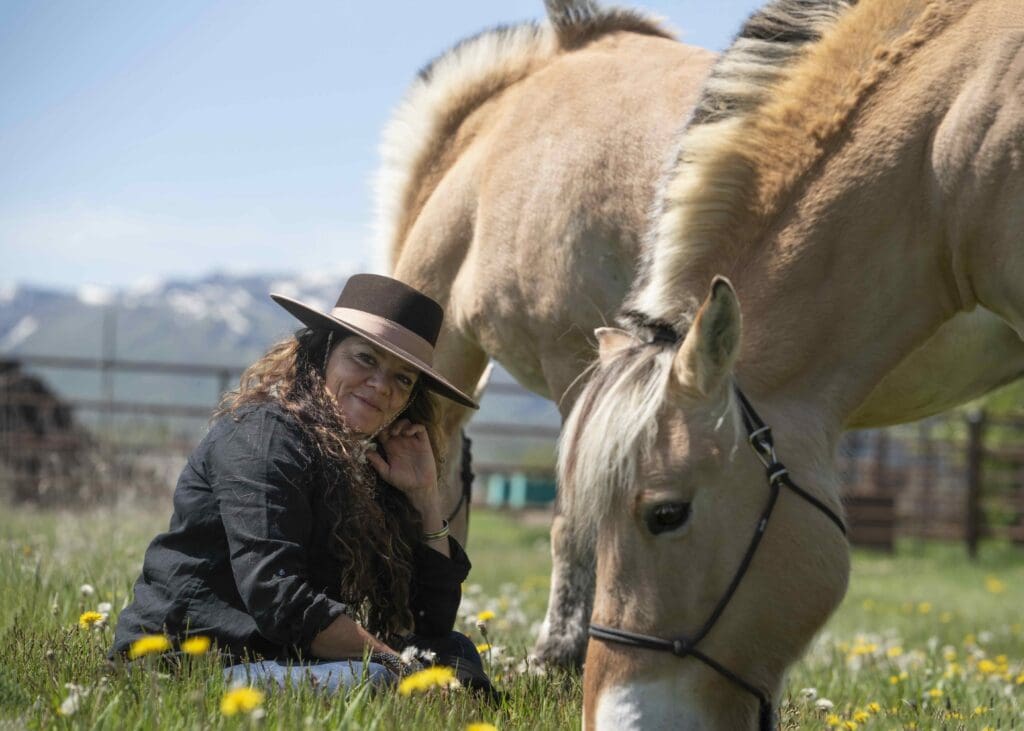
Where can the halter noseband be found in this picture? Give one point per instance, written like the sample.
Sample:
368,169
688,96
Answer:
759,436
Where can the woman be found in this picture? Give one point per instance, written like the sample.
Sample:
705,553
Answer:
307,528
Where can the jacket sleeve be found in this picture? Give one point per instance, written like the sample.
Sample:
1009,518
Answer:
437,588
257,473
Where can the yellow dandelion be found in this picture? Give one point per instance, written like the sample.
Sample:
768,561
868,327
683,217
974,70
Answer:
895,651
850,725
424,680
924,607
949,654
148,645
485,616
994,586
894,680
241,700
979,711
946,617
935,693
198,645
970,639
861,716
483,647
833,720
88,620
481,727
875,707
987,667
1019,680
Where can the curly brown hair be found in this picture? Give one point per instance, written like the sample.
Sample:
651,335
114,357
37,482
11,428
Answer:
373,525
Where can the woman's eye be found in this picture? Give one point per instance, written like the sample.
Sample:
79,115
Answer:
366,358
665,517
405,381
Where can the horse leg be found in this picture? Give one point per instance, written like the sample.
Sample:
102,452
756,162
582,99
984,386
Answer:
563,634
463,362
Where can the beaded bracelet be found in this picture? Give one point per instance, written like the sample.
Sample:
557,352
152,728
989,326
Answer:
438,534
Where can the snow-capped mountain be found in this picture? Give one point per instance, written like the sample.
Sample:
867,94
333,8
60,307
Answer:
219,319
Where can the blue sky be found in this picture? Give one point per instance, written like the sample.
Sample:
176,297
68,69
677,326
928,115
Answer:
146,140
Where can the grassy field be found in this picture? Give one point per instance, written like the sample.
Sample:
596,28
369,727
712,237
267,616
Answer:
924,640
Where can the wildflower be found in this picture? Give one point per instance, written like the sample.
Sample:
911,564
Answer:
104,607
485,616
1020,679
987,667
86,590
483,647
481,727
809,694
824,704
875,707
850,725
147,645
88,620
934,693
70,705
424,680
833,720
894,651
984,637
861,716
949,653
241,700
924,607
979,711
994,586
946,617
197,645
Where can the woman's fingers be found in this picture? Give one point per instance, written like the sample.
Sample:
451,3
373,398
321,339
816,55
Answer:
378,463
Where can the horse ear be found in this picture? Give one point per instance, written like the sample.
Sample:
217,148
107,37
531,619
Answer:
610,340
706,357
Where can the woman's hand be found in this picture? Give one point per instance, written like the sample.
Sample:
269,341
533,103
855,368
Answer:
410,460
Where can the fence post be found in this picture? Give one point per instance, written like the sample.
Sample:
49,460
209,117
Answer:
975,457
879,470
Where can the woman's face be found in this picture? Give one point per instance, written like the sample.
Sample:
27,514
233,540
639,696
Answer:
369,384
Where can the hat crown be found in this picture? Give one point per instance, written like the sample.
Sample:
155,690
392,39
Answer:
395,301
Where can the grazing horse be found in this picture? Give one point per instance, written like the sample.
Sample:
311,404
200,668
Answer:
854,176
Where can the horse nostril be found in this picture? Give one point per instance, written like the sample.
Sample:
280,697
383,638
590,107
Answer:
665,517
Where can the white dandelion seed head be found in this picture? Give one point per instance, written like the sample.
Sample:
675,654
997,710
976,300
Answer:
809,694
104,607
258,714
824,704
86,590
985,637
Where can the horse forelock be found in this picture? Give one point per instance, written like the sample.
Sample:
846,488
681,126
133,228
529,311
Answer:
769,111
450,87
611,428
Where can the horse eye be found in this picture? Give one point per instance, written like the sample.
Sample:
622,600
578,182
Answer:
666,516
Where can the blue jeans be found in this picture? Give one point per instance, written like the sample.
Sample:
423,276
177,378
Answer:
455,650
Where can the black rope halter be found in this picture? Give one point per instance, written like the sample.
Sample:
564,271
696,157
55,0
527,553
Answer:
759,435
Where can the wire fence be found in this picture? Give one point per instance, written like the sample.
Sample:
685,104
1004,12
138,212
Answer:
957,477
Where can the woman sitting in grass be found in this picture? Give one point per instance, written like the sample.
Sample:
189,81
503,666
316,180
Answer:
308,532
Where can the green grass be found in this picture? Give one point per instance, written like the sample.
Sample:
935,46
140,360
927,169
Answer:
920,634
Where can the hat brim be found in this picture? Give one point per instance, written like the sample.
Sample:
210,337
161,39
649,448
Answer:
430,378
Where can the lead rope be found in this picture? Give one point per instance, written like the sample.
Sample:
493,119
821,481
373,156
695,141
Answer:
466,476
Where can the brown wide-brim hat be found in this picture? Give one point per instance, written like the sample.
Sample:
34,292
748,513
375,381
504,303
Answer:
391,315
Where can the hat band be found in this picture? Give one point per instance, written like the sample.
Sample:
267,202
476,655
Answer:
388,330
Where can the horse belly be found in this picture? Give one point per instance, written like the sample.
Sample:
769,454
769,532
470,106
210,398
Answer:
968,356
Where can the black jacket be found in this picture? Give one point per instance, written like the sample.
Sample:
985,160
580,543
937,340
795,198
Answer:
245,560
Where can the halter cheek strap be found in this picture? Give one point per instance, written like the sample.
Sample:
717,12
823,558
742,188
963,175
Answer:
759,435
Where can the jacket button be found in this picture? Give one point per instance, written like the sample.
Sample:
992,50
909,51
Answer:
280,572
